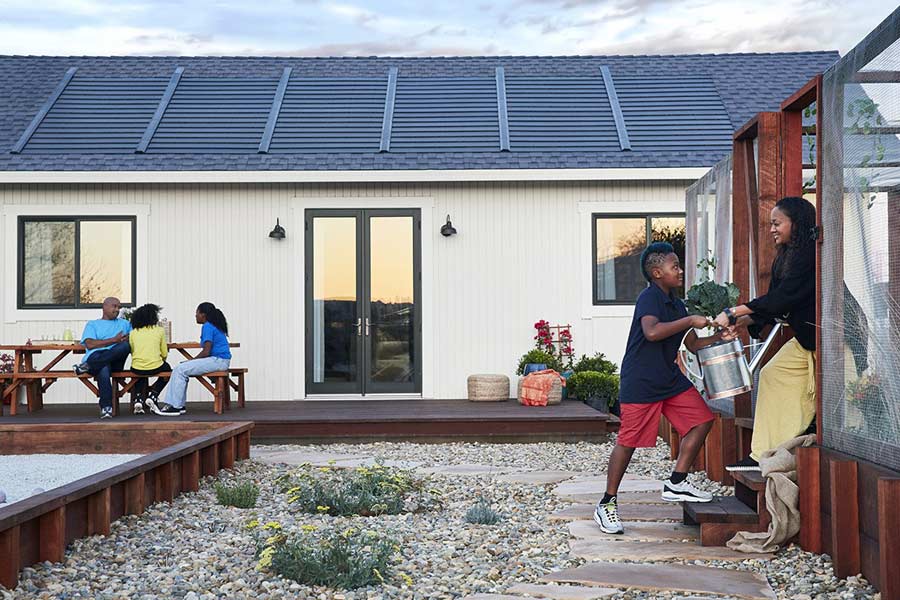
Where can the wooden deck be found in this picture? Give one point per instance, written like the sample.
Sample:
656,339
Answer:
338,420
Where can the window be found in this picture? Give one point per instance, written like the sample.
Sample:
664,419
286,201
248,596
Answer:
75,262
618,243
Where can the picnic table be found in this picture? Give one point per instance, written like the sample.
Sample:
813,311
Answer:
37,381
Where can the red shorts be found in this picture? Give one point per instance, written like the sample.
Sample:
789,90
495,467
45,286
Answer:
640,422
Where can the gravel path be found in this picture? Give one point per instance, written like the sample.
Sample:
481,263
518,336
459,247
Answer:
25,475
194,549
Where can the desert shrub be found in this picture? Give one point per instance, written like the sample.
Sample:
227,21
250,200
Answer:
240,495
482,514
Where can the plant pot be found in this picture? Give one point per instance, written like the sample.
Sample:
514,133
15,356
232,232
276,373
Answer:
598,403
533,367
566,375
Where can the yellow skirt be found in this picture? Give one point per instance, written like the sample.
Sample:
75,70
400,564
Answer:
786,401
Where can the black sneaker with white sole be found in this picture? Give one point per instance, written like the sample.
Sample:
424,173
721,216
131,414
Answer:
106,412
748,464
165,410
683,492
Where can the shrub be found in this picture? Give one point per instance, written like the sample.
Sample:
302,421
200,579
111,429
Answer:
596,363
240,495
365,491
539,357
346,560
482,514
590,385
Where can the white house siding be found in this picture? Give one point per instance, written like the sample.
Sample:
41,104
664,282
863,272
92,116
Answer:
522,254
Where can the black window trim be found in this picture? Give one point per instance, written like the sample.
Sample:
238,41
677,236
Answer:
647,232
76,219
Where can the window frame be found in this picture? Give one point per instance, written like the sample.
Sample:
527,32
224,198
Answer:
648,217
76,219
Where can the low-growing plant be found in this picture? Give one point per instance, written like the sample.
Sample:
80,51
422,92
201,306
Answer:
598,363
538,357
240,495
482,514
365,491
347,559
595,387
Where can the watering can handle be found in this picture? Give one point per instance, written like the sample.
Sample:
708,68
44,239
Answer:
682,351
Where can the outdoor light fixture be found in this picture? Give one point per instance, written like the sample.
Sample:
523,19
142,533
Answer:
278,232
447,229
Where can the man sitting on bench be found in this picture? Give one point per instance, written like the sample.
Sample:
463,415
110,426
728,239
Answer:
106,340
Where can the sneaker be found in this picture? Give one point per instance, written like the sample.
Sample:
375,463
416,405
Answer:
607,517
748,464
166,410
81,368
138,407
151,402
106,412
683,492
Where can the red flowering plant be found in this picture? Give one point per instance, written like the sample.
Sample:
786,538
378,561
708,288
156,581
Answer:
561,348
6,363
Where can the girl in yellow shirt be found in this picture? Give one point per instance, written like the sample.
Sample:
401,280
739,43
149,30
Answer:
149,350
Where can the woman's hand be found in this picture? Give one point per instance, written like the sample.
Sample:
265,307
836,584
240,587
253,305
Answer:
728,334
721,320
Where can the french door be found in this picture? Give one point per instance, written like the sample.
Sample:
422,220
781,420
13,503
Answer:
363,313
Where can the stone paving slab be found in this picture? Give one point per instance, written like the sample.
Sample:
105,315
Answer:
325,459
466,469
562,592
636,531
651,497
674,578
644,551
537,477
627,512
597,485
491,597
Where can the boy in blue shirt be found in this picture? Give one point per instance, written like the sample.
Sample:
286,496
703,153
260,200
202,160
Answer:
652,384
106,341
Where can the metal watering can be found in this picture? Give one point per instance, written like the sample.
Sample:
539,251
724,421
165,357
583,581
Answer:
724,369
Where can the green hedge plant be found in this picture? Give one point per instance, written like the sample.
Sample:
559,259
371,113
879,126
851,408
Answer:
595,387
539,357
597,362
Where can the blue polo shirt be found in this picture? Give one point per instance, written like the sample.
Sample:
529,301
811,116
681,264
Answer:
649,373
103,329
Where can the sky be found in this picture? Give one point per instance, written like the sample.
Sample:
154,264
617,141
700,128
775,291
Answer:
432,28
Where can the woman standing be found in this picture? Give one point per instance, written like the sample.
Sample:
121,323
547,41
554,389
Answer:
786,400
215,356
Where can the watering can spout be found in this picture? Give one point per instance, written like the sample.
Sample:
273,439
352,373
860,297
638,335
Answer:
757,358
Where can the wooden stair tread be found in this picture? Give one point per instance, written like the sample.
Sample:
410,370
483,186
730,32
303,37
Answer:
744,422
722,509
751,479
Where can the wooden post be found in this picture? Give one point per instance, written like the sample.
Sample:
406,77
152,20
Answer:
769,192
165,486
729,448
808,480
243,445
209,460
134,495
9,551
52,527
715,470
190,472
844,518
98,512
226,453
889,537
792,152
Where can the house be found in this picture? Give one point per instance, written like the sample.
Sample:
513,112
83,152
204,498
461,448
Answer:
172,180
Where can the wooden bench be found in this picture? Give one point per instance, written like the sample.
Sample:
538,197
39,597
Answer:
219,384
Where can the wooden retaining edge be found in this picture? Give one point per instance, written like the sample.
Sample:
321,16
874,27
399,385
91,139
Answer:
40,527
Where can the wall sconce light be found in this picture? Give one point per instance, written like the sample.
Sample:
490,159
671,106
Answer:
447,229
278,232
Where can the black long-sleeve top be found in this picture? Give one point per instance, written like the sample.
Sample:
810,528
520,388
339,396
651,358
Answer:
791,296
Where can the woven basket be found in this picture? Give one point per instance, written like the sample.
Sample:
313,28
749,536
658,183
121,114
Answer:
554,397
488,388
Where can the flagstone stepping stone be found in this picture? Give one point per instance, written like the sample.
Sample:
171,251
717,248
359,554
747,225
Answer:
537,477
469,469
562,592
646,551
675,578
636,531
653,497
492,597
597,485
627,512
299,457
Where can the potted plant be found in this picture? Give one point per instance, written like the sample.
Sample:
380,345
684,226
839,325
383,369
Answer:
536,360
598,390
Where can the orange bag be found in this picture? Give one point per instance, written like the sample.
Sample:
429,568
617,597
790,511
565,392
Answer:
536,387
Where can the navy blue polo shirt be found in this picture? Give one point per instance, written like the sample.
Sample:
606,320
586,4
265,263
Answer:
649,373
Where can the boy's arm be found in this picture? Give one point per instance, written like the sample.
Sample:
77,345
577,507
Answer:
655,331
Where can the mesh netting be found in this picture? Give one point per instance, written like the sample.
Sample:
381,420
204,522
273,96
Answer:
860,286
708,223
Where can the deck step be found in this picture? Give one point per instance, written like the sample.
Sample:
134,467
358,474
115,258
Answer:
744,422
750,479
722,509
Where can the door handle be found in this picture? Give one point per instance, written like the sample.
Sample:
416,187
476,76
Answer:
359,326
368,324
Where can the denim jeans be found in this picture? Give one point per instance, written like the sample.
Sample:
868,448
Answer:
177,394
101,365
140,386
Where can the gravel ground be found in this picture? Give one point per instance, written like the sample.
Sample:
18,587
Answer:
25,475
194,549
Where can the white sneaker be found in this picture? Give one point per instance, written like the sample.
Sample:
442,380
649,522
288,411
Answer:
138,408
683,492
607,517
